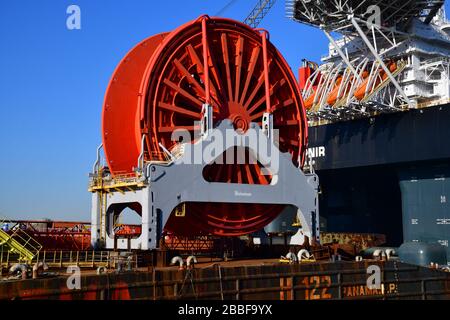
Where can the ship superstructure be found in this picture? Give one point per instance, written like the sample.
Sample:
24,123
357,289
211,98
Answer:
390,56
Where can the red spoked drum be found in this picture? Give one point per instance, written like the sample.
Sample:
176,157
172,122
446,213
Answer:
162,84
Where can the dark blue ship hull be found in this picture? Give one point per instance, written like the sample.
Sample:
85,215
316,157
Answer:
387,174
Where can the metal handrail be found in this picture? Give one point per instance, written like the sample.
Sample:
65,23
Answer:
19,242
60,258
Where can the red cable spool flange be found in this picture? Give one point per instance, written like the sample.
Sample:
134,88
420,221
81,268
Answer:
160,86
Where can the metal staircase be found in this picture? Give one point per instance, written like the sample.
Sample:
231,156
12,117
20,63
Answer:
19,242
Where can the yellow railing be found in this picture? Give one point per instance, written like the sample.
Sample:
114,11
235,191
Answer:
62,259
119,182
20,243
131,180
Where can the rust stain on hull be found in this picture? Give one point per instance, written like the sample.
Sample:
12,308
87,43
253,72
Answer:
313,281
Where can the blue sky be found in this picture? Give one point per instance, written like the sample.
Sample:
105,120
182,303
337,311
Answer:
52,83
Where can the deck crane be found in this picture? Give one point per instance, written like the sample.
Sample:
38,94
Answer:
259,12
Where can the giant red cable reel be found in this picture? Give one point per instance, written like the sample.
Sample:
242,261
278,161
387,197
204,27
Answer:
160,87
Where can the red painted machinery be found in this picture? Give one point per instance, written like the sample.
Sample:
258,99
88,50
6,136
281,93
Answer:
159,86
162,84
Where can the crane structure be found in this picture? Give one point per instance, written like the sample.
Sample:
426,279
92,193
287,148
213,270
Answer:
259,12
391,56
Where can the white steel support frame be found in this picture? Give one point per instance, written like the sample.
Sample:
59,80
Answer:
379,60
374,33
356,82
441,65
330,86
308,90
326,86
332,12
167,185
321,87
341,53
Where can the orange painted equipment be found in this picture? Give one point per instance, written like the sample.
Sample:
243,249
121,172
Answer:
310,100
333,95
360,93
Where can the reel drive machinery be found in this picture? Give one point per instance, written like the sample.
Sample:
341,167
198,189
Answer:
215,89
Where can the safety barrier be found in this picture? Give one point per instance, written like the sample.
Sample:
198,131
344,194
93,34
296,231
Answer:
63,259
19,242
